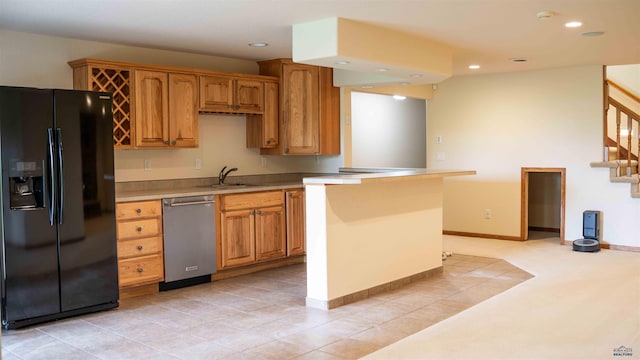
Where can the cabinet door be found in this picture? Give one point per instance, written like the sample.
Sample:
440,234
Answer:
216,93
249,96
270,237
152,108
262,130
183,110
294,205
237,238
300,109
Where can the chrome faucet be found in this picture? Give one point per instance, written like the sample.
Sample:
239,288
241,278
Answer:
223,175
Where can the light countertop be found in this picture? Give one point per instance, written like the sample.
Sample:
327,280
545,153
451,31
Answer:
383,176
156,194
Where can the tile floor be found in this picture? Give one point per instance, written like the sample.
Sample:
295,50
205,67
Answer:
262,316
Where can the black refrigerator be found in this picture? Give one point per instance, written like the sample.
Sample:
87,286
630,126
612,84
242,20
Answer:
58,205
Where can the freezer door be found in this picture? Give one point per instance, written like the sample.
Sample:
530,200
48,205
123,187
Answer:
86,210
29,251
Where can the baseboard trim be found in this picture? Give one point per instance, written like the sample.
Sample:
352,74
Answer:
619,247
366,293
248,269
546,229
484,236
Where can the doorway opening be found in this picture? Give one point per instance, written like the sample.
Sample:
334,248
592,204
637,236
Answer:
543,203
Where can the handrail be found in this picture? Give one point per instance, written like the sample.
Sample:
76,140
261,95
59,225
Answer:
631,117
623,90
624,109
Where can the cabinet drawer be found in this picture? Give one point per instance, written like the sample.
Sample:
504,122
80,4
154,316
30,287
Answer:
140,270
252,200
139,209
139,228
139,247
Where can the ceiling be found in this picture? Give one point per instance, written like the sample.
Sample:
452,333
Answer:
484,32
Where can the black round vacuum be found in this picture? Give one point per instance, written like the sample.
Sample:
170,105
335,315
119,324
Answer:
586,245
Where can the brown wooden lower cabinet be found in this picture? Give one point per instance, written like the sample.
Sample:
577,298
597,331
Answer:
253,228
140,250
295,215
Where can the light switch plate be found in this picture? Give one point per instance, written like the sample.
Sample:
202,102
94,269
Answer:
439,139
198,164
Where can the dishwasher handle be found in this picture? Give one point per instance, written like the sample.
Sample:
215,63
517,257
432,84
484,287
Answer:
176,202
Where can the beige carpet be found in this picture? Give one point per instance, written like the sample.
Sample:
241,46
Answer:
578,306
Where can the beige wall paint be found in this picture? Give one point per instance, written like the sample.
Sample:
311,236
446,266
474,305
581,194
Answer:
627,76
41,61
351,247
497,124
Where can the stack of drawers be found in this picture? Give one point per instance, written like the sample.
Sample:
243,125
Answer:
140,256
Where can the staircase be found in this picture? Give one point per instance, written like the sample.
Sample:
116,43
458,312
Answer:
620,155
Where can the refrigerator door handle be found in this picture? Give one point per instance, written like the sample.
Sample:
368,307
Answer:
52,182
61,173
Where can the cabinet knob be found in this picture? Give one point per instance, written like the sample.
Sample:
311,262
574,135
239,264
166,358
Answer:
139,247
138,210
259,212
140,269
166,142
173,142
286,150
139,229
268,141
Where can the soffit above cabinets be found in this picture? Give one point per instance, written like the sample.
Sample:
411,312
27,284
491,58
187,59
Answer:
363,54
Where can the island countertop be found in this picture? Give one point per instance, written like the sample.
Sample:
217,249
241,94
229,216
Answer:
383,176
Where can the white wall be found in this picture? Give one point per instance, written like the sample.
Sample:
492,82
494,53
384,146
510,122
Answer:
497,124
387,132
628,76
41,61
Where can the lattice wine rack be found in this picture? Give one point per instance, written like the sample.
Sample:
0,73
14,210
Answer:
116,80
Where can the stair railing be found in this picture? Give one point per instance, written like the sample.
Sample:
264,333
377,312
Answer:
622,153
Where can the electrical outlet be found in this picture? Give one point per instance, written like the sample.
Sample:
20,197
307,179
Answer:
440,156
439,139
487,213
198,164
347,119
147,166
263,161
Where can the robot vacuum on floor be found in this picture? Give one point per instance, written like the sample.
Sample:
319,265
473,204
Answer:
590,231
586,245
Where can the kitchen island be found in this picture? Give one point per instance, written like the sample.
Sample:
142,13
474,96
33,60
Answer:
367,233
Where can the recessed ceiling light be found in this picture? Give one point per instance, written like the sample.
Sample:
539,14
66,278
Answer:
366,87
518,60
399,97
259,44
474,67
342,62
593,33
415,75
382,69
545,15
573,24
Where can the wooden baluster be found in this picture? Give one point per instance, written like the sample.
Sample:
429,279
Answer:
606,114
629,135
618,134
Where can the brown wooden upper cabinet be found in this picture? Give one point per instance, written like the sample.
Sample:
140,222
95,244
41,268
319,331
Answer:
229,95
309,116
166,109
116,78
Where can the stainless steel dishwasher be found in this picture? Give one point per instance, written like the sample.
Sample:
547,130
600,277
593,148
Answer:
189,227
